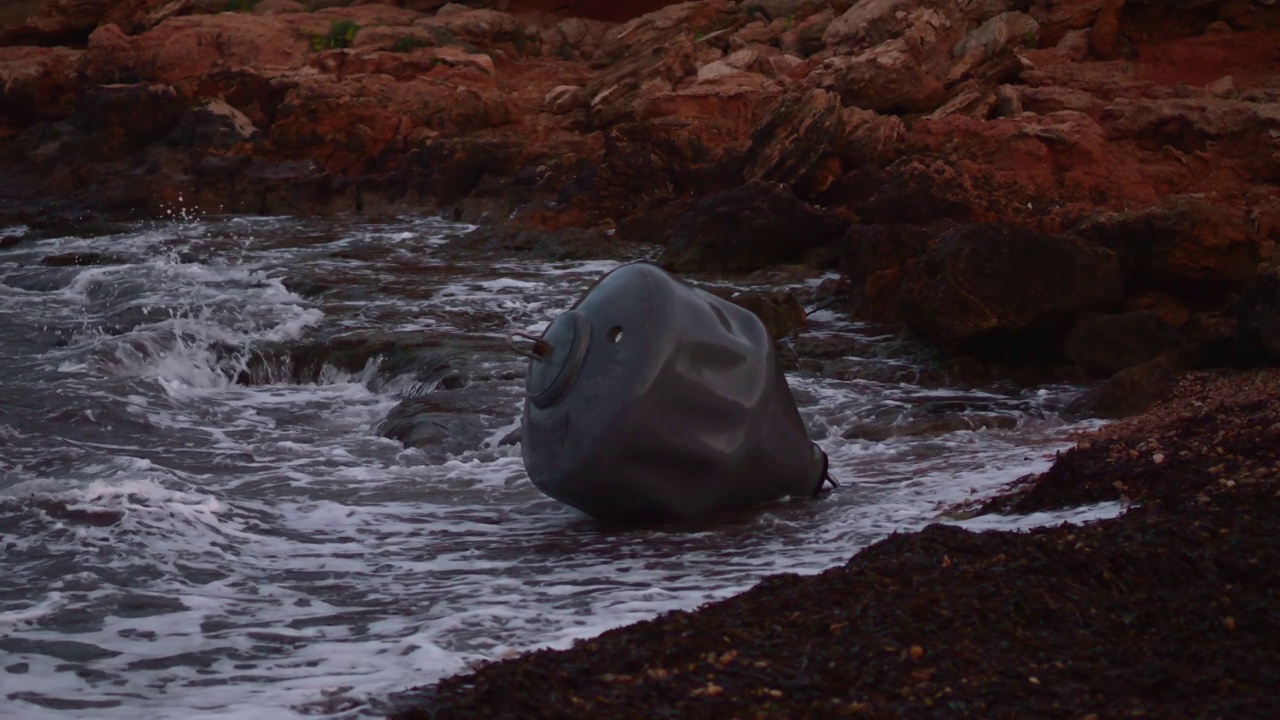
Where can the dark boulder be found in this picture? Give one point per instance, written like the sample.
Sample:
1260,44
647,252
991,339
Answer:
1135,389
748,227
1006,293
1258,317
1105,344
1198,253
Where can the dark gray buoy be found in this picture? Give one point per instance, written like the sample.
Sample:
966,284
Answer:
653,400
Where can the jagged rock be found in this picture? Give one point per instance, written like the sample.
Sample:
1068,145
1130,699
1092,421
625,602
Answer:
868,23
1052,99
885,78
1106,344
779,310
744,229
653,54
794,138
1000,32
1196,252
1002,291
215,124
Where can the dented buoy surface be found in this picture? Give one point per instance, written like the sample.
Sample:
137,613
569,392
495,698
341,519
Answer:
653,400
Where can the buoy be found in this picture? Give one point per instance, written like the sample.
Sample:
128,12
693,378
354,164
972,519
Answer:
652,400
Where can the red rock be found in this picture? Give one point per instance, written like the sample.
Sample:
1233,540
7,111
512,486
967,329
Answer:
993,290
1198,253
36,84
50,21
885,78
804,135
1104,40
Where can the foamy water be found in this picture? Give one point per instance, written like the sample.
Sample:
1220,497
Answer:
201,513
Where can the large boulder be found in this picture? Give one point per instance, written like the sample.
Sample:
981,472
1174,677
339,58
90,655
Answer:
746,228
876,260
1199,253
1005,292
1104,344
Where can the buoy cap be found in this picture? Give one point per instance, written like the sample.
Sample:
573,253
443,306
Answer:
552,375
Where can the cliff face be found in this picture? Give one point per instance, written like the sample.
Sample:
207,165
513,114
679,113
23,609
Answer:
940,153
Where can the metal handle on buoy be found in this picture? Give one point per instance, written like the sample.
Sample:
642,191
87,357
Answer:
539,350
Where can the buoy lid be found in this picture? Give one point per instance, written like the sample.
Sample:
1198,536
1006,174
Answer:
552,375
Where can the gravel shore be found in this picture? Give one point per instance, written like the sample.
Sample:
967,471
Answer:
1170,610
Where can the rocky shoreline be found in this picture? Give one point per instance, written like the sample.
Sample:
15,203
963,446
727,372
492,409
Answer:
1089,183
1169,610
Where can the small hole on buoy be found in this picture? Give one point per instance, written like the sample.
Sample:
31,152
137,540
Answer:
615,334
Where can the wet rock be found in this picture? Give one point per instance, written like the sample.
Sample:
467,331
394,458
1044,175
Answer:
744,229
1194,251
807,140
444,424
82,259
930,423
779,310
1002,291
1106,344
877,259
1135,389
